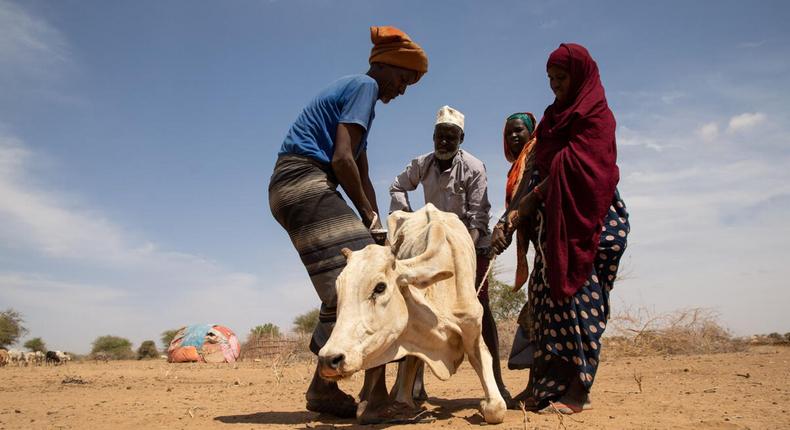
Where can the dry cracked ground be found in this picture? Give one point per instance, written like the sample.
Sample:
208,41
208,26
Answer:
745,390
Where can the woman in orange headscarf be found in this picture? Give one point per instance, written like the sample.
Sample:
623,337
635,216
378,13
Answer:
518,142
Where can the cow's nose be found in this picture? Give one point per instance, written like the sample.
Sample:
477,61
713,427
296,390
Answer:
332,361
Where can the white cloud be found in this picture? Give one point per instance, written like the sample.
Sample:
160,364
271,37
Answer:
549,24
670,97
707,220
708,131
745,121
42,220
627,137
85,264
752,44
29,46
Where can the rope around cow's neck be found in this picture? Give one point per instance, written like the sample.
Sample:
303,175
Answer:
485,277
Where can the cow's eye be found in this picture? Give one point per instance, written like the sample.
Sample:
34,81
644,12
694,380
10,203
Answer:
379,288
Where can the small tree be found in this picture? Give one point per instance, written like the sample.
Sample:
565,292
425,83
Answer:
504,302
167,337
266,330
306,322
116,348
36,344
11,328
147,349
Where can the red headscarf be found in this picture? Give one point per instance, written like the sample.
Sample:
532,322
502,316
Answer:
576,150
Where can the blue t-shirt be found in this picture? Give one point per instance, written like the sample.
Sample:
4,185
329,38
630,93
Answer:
348,100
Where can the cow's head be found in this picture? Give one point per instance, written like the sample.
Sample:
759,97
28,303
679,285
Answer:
371,306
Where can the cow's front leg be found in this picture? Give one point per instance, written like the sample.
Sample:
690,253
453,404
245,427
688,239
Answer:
373,396
403,389
374,388
378,407
493,406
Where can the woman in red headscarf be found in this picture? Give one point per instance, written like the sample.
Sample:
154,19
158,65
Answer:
578,224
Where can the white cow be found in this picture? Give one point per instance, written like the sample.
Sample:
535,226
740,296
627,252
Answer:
63,358
416,298
30,358
16,357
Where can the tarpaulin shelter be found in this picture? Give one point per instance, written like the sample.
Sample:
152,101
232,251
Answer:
207,343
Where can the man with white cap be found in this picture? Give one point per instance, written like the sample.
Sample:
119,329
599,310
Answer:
454,181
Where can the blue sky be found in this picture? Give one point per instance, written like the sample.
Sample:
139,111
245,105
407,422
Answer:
137,139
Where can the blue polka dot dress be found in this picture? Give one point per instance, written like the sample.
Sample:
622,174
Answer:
566,334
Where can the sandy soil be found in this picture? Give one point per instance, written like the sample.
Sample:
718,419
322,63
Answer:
722,391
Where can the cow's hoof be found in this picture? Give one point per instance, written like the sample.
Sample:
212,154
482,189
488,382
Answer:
493,410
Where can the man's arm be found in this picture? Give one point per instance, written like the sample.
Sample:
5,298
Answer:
367,185
479,207
347,140
406,181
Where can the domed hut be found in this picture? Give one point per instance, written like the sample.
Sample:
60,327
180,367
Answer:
204,343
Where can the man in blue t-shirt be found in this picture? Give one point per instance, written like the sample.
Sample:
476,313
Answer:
325,147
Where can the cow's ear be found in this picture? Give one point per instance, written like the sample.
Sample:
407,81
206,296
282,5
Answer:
346,253
423,277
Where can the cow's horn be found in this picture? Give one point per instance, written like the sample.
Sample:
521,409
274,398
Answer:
346,253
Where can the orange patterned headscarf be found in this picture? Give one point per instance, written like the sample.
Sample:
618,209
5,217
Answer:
394,47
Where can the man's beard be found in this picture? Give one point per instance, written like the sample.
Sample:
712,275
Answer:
445,155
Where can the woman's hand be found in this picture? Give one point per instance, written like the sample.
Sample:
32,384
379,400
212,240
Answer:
501,238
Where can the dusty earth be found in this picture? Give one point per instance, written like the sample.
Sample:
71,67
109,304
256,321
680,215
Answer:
747,390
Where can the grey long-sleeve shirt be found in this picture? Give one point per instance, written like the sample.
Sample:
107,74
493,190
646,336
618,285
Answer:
462,189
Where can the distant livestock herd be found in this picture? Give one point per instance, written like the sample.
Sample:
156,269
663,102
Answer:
15,357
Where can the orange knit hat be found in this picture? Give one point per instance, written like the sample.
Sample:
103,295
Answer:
394,47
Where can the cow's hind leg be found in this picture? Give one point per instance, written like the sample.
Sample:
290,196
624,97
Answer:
493,406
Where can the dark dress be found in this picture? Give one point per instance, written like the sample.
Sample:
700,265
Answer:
565,335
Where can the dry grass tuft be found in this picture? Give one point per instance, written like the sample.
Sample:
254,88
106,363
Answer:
686,331
73,380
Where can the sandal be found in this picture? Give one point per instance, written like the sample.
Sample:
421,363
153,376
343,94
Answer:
530,404
565,408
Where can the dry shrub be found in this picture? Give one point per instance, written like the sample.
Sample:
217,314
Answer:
686,331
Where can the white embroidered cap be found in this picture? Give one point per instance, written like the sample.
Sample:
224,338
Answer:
448,115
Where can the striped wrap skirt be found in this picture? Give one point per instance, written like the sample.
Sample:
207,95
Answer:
303,198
